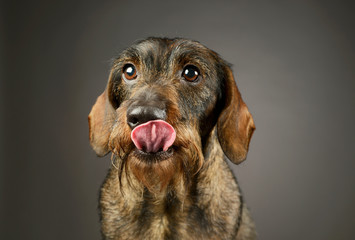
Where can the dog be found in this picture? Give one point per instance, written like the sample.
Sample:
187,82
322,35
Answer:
172,116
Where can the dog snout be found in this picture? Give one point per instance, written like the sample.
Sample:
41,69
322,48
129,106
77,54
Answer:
137,115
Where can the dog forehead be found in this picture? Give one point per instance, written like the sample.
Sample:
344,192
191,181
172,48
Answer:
168,45
163,52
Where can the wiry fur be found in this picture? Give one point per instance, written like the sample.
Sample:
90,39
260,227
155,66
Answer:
188,192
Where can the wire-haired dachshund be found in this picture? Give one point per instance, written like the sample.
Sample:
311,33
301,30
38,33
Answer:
171,115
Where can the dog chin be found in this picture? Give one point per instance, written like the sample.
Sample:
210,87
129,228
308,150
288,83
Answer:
153,156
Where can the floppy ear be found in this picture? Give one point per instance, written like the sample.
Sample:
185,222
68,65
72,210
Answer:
235,124
101,119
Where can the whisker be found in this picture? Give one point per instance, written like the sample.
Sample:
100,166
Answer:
112,163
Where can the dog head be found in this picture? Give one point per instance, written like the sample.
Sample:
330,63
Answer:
163,99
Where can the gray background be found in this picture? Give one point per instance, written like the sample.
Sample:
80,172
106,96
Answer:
294,64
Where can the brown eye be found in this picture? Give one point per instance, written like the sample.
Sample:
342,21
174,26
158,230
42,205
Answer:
190,73
129,72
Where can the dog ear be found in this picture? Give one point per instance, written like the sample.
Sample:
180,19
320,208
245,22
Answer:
101,119
235,124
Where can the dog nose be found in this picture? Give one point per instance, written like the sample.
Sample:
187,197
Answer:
142,114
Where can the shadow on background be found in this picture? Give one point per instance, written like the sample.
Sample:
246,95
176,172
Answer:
294,64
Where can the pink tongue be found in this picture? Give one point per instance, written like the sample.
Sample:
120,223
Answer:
153,136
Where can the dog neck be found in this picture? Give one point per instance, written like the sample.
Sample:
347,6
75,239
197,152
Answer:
130,201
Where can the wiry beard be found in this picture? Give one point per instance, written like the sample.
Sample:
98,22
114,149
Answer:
157,173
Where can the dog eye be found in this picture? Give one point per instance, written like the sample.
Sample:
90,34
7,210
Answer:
190,73
129,72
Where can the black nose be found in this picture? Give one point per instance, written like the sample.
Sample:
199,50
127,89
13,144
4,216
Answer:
140,114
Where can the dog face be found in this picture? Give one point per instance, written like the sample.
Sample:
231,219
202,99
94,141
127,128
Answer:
163,97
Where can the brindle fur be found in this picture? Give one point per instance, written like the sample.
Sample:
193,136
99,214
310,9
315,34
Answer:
191,194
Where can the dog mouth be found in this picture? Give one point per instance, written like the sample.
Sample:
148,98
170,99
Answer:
153,157
154,139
